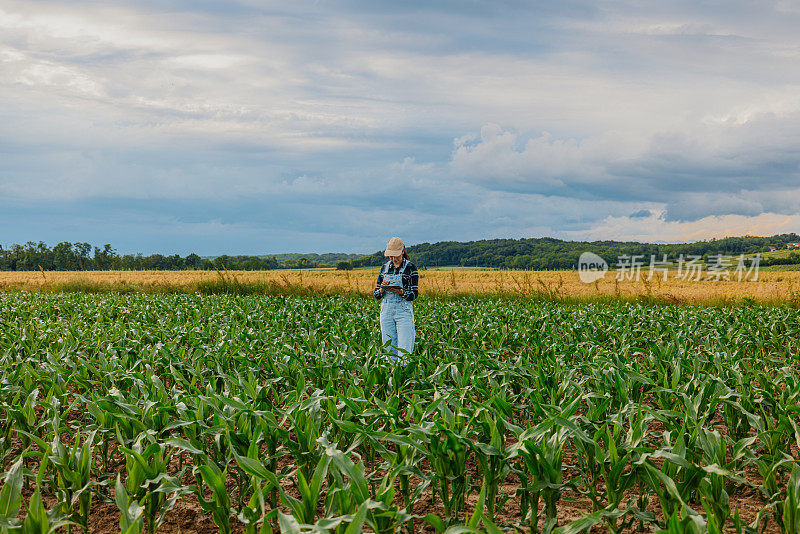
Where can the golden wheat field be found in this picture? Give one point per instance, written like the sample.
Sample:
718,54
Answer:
771,287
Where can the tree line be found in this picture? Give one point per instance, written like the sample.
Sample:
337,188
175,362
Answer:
67,256
548,253
535,254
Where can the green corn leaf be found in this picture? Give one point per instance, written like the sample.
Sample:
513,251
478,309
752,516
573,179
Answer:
182,444
478,513
791,505
358,521
294,504
462,529
11,494
436,522
131,518
214,478
254,468
288,524
582,524
490,527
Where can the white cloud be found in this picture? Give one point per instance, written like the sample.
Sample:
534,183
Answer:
207,61
656,229
60,77
90,28
544,163
721,158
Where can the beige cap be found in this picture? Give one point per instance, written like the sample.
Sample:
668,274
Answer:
394,247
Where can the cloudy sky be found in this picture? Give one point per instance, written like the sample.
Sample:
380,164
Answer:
256,127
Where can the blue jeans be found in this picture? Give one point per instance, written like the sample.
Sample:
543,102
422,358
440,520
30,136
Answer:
397,325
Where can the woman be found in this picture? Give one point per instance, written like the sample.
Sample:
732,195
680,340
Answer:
397,287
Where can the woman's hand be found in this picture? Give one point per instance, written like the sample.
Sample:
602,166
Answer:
386,283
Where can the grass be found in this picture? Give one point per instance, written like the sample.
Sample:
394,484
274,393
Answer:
772,288
779,268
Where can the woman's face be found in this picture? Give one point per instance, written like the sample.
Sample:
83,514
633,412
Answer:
396,260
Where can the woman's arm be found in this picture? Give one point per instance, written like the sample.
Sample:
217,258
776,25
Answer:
411,284
378,293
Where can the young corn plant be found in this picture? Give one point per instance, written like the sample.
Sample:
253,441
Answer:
23,414
592,460
131,519
720,465
74,477
771,489
104,421
681,462
403,461
494,458
448,453
149,483
254,514
670,498
619,475
737,418
219,506
306,426
542,478
305,508
11,498
676,524
38,520
269,440
350,494
716,502
791,505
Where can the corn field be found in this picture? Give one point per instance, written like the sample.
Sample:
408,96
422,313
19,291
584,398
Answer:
174,412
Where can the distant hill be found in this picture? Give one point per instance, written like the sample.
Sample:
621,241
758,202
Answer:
328,258
550,253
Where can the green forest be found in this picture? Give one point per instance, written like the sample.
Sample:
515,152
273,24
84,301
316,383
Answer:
67,256
535,254
548,253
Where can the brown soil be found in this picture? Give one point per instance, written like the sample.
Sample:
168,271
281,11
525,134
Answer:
188,517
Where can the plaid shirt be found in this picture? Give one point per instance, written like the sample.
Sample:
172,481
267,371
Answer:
410,278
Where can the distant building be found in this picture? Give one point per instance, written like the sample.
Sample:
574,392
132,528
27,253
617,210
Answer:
793,245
